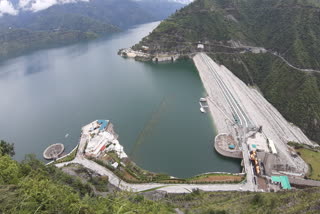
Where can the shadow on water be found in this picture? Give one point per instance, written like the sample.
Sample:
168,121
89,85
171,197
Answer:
150,125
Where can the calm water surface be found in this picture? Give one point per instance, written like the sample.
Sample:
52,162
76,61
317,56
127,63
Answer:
154,107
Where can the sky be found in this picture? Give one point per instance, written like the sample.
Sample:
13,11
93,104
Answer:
6,6
37,5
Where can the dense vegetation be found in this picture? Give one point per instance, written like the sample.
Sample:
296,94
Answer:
311,155
32,187
18,41
302,201
288,27
6,148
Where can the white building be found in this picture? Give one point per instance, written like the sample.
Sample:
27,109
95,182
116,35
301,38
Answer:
101,137
200,46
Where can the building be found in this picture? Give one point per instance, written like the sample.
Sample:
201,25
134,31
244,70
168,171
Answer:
272,147
200,46
282,180
98,143
101,138
145,48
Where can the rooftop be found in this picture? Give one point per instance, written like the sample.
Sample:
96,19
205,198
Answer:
284,180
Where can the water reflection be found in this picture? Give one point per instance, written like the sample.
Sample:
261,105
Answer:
36,63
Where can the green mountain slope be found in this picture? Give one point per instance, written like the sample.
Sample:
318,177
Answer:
75,21
18,41
31,187
290,28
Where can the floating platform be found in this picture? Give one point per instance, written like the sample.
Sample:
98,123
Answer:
53,151
202,110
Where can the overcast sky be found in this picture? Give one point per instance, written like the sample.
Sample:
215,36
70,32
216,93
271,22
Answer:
6,6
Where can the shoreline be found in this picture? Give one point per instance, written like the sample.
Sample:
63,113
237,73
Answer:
166,185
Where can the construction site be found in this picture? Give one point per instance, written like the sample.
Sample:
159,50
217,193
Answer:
250,128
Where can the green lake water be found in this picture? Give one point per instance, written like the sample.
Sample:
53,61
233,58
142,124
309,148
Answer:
47,96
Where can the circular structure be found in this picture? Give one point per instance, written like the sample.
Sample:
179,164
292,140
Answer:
53,151
226,145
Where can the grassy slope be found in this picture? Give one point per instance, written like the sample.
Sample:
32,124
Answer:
289,27
313,159
302,201
32,187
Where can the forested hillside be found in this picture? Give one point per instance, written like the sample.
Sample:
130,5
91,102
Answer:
75,21
290,28
32,187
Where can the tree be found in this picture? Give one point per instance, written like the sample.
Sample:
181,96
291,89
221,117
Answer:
9,170
6,148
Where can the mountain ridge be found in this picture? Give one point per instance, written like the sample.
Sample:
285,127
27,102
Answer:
84,20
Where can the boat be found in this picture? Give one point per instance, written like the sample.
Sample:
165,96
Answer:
202,110
202,99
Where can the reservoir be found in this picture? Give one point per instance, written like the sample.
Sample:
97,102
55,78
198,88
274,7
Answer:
47,96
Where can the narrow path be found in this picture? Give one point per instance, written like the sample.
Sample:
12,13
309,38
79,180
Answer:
169,188
292,66
239,45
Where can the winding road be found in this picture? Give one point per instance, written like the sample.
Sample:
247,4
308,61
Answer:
169,188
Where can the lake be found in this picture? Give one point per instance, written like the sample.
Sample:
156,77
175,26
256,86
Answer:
48,95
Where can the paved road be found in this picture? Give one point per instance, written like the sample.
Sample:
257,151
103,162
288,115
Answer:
292,66
170,188
174,188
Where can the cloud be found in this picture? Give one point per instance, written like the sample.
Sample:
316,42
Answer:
37,5
6,7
